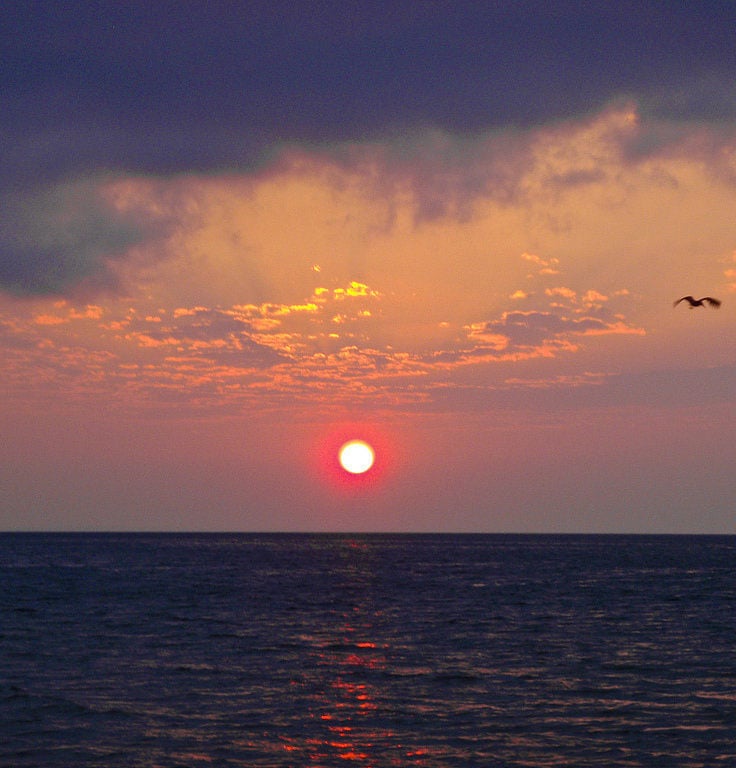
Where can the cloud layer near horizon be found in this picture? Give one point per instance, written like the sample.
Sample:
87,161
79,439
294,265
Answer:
382,272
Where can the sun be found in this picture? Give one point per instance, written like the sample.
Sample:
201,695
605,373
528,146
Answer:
356,457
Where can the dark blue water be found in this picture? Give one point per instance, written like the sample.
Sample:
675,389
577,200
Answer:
227,650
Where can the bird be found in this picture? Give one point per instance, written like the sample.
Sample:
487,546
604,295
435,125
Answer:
693,302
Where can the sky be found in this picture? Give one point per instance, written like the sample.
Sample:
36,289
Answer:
234,236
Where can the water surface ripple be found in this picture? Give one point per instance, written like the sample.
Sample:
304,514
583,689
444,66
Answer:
376,650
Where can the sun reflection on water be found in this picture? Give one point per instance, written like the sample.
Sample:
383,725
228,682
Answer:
346,703
347,670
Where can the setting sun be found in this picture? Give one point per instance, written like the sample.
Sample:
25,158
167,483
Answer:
356,456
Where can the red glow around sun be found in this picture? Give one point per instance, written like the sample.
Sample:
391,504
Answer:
365,465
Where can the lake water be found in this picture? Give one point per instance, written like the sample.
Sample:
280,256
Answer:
368,650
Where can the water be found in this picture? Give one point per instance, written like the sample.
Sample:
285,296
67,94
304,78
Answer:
285,650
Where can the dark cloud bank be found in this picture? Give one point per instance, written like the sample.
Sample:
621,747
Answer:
161,87
93,88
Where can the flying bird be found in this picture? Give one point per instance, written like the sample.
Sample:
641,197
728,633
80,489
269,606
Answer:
693,302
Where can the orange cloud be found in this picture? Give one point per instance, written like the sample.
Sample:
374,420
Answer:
395,268
546,266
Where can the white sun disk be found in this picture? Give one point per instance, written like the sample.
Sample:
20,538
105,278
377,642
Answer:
356,457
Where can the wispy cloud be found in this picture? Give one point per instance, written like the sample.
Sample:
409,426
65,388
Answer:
65,237
353,201
389,269
327,346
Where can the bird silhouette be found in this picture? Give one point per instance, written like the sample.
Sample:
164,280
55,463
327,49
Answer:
693,302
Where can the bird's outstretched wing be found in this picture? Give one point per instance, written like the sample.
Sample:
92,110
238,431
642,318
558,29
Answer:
689,299
715,303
